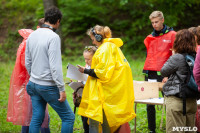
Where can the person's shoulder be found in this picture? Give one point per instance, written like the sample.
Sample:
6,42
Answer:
176,60
149,36
108,45
55,35
172,32
178,57
46,31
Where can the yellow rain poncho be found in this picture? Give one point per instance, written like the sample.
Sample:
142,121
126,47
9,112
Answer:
112,91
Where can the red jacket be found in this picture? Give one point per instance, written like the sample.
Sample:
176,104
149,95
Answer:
19,110
158,50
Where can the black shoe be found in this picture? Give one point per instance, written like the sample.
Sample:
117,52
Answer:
152,132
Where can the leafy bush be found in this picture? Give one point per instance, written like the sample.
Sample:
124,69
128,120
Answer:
128,19
17,14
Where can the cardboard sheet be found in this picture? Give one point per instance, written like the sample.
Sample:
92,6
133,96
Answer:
145,90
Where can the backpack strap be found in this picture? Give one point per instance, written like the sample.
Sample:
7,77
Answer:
183,83
74,109
184,103
78,89
183,96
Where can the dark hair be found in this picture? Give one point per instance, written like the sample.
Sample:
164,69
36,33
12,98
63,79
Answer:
52,15
196,32
40,22
184,42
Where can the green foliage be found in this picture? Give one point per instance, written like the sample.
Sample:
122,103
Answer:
17,14
73,48
5,70
128,19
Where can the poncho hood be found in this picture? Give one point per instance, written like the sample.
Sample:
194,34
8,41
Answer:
116,41
25,33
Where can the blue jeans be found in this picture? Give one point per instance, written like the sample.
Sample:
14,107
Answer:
40,96
25,129
94,125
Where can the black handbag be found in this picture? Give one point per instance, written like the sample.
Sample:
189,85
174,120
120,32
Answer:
77,98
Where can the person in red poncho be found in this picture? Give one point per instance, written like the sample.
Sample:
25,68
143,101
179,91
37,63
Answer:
158,44
19,104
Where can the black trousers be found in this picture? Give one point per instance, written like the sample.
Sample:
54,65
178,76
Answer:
85,124
151,112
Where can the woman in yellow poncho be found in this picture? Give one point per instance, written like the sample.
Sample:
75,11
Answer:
108,95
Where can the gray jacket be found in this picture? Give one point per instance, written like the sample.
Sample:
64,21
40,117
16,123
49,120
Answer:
174,66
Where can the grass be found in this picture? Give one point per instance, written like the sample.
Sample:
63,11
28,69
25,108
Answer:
55,122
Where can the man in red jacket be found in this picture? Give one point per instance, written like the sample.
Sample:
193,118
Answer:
158,44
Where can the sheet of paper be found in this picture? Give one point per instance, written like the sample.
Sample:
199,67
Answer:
152,80
76,85
74,73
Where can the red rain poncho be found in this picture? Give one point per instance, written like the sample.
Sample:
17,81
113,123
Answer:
19,104
158,50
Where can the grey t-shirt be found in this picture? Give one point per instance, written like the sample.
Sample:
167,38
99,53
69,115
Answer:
43,58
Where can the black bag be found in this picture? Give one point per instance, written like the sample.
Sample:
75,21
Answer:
188,88
77,98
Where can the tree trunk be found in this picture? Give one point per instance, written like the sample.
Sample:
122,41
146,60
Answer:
49,3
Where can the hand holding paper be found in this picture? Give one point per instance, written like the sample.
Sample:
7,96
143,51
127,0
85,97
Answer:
74,73
81,69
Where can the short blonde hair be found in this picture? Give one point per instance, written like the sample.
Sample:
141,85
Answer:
156,14
101,30
90,49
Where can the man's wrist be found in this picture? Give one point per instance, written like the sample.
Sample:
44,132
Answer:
62,89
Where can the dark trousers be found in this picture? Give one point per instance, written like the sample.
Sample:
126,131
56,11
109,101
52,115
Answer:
25,129
85,124
151,112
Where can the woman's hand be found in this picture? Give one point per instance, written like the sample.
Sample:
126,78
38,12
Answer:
164,79
81,69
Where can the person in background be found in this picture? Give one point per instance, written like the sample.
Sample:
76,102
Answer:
108,95
19,105
196,32
158,44
177,70
44,65
87,54
196,70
